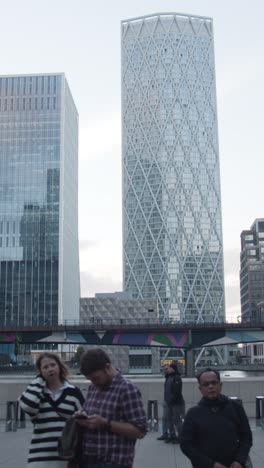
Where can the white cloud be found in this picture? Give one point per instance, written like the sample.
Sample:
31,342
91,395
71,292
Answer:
99,136
91,284
85,244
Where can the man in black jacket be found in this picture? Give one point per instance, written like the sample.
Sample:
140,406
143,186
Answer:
175,402
216,432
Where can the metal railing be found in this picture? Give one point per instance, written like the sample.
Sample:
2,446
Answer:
93,323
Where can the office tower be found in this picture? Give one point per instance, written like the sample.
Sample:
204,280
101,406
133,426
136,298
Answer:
39,262
252,272
172,228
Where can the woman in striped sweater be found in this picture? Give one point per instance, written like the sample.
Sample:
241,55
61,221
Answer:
49,400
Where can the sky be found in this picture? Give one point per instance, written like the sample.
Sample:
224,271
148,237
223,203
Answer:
82,39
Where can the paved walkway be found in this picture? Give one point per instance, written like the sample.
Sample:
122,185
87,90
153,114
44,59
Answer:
150,453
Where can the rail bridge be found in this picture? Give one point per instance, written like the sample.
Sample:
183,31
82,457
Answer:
128,332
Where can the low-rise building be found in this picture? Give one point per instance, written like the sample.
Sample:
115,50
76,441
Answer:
115,308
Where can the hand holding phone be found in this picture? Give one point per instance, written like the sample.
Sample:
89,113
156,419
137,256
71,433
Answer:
81,415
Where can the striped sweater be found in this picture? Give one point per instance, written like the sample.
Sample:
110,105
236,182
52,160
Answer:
48,424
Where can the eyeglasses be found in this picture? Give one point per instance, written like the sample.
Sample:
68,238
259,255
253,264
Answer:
212,382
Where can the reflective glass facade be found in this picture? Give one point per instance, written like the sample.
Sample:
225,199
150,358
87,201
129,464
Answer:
172,229
38,200
252,272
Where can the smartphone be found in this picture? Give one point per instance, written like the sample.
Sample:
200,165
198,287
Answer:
81,416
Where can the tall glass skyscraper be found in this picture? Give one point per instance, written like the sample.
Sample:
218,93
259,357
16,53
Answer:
39,260
172,229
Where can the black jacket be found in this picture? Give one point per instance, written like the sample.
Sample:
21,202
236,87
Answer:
216,431
173,389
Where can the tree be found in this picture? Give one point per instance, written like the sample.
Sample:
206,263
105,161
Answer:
17,341
78,353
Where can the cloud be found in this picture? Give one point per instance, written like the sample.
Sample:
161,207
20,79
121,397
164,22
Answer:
232,280
99,137
235,77
101,266
232,283
85,244
91,284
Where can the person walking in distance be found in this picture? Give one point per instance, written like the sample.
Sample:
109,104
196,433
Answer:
113,417
216,432
165,423
49,400
173,404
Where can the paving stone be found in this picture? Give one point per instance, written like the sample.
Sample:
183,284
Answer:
150,453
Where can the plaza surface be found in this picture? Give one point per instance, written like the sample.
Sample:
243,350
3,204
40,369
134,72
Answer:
150,453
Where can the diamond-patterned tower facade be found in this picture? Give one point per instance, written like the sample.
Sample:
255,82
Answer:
172,228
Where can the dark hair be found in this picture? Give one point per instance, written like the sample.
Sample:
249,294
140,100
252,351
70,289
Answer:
174,366
94,360
208,370
63,369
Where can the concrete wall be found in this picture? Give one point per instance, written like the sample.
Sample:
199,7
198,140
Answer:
247,390
151,389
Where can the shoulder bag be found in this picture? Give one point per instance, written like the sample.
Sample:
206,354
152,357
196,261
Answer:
70,440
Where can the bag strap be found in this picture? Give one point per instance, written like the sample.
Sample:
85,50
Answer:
51,402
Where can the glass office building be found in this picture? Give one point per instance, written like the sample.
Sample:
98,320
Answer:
252,273
39,260
172,228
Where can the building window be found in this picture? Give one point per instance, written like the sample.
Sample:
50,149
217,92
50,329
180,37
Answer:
140,360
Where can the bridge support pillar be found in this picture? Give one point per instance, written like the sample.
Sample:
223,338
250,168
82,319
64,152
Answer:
189,363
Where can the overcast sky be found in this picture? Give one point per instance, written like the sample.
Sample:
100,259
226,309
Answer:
82,39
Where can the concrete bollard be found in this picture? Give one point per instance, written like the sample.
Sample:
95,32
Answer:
259,404
235,398
152,415
15,416
11,412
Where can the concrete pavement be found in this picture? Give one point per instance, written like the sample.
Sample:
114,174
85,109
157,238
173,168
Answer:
150,453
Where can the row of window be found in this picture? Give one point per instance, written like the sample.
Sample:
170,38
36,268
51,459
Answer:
28,104
7,225
9,242
28,85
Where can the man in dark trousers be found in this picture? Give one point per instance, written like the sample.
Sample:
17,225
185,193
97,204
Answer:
174,401
216,432
165,427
